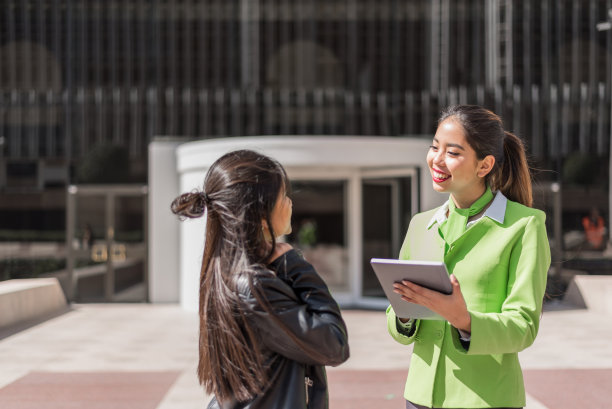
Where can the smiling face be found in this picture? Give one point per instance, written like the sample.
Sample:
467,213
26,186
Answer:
454,165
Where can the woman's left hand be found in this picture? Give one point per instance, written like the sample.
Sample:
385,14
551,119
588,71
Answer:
452,307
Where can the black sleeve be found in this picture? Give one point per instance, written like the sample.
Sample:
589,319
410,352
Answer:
297,317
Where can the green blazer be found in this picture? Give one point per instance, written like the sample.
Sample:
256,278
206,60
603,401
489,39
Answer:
502,267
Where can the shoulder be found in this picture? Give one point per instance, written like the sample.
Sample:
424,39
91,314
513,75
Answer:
423,218
516,212
428,214
257,279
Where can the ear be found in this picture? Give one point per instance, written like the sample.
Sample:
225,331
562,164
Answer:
485,166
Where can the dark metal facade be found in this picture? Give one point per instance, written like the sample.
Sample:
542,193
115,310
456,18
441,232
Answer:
77,74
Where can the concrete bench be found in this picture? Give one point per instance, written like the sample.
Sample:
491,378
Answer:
28,300
591,291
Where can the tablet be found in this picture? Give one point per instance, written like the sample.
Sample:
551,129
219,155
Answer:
430,274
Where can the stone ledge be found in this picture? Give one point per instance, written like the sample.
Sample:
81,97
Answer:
30,299
591,291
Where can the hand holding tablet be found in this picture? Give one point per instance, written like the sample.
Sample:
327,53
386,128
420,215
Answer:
429,274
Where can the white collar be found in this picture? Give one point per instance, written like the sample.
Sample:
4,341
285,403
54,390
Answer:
496,211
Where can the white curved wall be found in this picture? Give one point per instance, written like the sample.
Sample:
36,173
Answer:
303,157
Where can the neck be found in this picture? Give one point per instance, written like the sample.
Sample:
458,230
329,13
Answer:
466,199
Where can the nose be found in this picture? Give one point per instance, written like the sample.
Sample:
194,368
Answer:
438,157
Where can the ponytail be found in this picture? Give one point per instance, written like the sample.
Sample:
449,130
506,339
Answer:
190,205
512,176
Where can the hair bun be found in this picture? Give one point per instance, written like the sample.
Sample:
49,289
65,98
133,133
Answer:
190,205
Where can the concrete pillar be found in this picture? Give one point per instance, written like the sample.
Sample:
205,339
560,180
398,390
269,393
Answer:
164,262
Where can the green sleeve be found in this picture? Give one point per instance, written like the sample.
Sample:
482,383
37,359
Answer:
404,334
516,326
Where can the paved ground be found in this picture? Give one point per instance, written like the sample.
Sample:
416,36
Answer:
139,356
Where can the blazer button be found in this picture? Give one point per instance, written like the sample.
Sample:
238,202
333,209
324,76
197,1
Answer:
439,334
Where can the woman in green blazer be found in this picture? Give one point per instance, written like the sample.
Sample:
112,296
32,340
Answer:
496,246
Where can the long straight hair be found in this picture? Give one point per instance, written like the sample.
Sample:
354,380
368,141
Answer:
485,133
240,191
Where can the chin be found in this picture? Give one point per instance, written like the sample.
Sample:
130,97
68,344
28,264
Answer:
438,188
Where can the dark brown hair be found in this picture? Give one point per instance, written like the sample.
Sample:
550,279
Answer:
485,133
240,191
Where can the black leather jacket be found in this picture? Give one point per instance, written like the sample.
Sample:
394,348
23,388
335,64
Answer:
300,300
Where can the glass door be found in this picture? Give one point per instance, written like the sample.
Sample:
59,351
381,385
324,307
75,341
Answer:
388,203
106,243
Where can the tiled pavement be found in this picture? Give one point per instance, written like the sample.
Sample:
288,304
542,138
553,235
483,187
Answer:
139,356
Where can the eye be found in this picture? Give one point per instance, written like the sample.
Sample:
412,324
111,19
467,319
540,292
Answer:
433,148
453,154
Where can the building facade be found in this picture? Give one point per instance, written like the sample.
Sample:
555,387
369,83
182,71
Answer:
80,76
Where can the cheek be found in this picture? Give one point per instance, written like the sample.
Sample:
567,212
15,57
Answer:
430,158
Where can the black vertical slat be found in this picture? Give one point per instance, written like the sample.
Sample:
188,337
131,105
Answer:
414,36
4,103
57,24
576,76
232,36
559,39
395,86
270,114
458,48
299,63
216,61
42,85
68,95
203,70
26,70
232,43
285,65
560,73
426,122
477,58
608,76
39,27
351,84
545,22
527,62
536,123
601,132
153,92
258,69
313,27
144,46
433,47
187,62
593,37
553,134
566,114
583,120
83,134
115,110
29,142
129,93
172,57
371,80
99,68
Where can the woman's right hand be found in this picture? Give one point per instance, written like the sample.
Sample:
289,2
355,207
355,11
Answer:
279,250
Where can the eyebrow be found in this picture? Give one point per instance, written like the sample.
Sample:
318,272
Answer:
452,145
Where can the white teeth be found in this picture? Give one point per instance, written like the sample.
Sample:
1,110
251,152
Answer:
439,175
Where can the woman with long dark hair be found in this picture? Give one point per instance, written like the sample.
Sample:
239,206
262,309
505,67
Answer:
268,323
496,246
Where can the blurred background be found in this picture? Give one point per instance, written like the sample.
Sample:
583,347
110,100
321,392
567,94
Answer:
87,85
